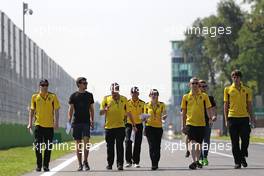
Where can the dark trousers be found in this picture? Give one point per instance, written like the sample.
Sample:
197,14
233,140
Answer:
154,136
111,136
135,157
206,142
239,128
43,140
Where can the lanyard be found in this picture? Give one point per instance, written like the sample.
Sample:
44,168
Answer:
135,104
154,110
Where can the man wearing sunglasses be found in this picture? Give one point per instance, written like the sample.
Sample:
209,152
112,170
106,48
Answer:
81,106
193,105
45,109
207,133
238,113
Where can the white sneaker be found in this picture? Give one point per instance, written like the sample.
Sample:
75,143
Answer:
136,165
128,165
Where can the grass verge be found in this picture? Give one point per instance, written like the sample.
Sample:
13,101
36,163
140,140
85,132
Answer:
20,160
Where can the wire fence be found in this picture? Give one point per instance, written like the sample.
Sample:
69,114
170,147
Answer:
22,65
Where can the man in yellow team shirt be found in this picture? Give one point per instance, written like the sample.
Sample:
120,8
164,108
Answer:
193,107
114,107
45,109
238,113
136,108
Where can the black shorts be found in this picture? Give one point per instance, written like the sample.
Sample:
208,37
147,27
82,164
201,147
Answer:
195,133
80,130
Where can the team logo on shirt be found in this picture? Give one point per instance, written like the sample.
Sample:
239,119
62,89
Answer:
232,93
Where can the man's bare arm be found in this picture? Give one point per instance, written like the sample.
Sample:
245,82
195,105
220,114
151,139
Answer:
184,117
226,109
30,118
250,111
70,112
56,119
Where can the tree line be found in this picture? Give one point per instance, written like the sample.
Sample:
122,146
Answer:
215,56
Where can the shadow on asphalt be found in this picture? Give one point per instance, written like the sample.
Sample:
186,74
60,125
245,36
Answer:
218,167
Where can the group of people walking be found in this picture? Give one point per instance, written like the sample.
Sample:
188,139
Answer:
124,117
133,118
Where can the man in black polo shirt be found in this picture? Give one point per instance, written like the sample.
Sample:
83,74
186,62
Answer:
81,106
208,127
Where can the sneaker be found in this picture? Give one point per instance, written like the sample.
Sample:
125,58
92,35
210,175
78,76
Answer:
187,154
154,167
136,165
237,166
120,168
205,162
128,165
108,167
201,161
46,169
80,168
38,169
193,166
86,166
244,162
199,165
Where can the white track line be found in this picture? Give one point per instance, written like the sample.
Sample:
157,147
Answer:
68,162
217,153
222,154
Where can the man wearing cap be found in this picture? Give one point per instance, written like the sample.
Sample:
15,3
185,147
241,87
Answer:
114,107
136,108
81,106
238,114
45,109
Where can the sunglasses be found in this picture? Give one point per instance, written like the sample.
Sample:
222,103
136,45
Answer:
204,86
194,83
44,85
235,77
84,83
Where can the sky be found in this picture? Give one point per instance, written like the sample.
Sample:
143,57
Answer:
123,41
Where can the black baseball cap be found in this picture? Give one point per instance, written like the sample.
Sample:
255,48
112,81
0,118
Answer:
134,89
114,87
43,81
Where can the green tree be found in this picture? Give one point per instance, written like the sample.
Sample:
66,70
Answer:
223,48
214,56
251,47
193,48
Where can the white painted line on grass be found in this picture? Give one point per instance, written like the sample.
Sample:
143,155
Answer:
69,161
